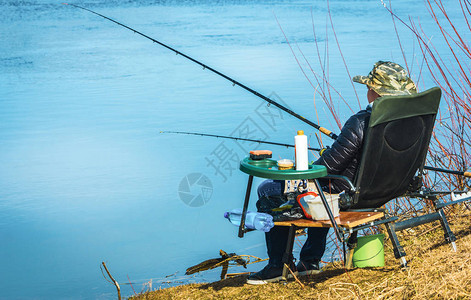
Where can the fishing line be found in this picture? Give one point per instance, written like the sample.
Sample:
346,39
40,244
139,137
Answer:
235,138
234,82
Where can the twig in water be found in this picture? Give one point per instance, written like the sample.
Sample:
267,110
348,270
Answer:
112,279
131,285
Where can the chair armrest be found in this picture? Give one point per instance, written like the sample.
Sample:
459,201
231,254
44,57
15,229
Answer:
343,178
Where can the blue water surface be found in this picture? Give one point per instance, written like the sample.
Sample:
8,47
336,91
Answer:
86,176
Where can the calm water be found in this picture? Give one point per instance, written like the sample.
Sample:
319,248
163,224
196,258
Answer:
86,176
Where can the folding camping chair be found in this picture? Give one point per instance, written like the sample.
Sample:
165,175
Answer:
392,165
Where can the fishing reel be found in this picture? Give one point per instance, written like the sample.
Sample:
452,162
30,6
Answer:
345,201
415,185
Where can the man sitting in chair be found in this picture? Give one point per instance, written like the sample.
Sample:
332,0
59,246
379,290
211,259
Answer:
342,158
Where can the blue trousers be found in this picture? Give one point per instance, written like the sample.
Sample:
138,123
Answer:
277,237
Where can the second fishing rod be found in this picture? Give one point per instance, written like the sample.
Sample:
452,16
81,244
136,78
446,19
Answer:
236,139
234,82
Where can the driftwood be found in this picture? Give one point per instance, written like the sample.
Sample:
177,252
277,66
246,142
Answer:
223,262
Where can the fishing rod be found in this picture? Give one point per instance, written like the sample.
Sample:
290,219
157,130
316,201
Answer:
461,173
234,82
235,138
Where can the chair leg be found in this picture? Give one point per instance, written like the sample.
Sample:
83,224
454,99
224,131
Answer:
399,252
288,256
352,244
449,236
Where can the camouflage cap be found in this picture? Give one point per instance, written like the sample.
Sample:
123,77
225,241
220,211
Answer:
388,79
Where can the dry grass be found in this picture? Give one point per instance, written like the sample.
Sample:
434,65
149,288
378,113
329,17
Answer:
435,272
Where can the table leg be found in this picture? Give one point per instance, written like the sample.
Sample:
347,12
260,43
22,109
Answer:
287,257
246,204
329,212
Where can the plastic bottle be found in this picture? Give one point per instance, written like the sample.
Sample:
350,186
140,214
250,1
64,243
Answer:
300,149
253,220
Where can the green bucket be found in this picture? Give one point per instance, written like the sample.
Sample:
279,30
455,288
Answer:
369,251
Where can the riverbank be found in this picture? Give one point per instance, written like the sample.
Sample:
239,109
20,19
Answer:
435,272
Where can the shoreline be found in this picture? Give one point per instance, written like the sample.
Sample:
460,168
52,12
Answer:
434,271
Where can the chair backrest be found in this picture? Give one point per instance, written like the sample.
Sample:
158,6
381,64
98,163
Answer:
395,147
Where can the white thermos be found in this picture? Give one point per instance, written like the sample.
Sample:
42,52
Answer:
300,149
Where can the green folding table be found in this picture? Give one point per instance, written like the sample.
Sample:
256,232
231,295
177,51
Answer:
267,168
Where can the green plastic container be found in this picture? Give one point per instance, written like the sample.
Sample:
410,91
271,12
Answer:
369,251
